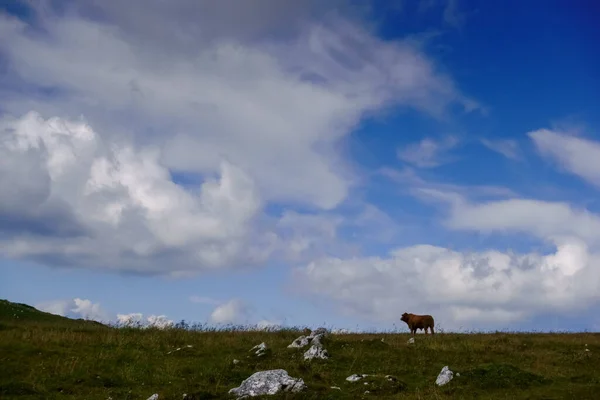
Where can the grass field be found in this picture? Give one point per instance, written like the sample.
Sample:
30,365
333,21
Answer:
43,356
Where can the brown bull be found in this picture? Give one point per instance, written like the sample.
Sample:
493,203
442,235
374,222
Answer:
415,322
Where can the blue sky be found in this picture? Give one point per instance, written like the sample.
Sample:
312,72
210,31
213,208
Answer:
299,163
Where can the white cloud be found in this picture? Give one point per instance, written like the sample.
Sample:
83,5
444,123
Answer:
117,205
133,319
220,102
577,155
487,288
215,96
507,147
159,321
542,219
428,153
267,325
234,311
75,308
96,202
137,320
203,300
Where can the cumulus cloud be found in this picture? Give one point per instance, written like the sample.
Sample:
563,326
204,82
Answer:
488,288
159,321
253,109
121,203
137,320
428,153
132,319
234,311
215,95
91,201
75,308
264,324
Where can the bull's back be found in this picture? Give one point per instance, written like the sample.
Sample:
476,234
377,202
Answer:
422,320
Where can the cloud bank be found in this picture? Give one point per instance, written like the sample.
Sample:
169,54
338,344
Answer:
75,308
160,154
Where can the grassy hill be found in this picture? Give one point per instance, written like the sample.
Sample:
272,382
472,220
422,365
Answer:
16,314
48,357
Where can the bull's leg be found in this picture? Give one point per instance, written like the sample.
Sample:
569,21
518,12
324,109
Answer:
432,332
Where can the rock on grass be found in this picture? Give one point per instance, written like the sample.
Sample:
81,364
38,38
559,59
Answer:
268,383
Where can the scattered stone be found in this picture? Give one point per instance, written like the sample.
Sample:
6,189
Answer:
444,377
316,351
367,392
236,361
316,340
356,377
179,348
153,397
300,342
411,340
336,387
261,349
379,384
268,383
315,336
319,331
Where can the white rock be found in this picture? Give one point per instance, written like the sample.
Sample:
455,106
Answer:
314,338
444,377
268,383
356,377
336,387
316,352
411,340
319,331
236,361
300,342
153,397
260,349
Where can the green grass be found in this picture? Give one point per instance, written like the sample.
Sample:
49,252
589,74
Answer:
49,357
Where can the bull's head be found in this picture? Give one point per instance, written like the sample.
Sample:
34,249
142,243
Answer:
404,317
